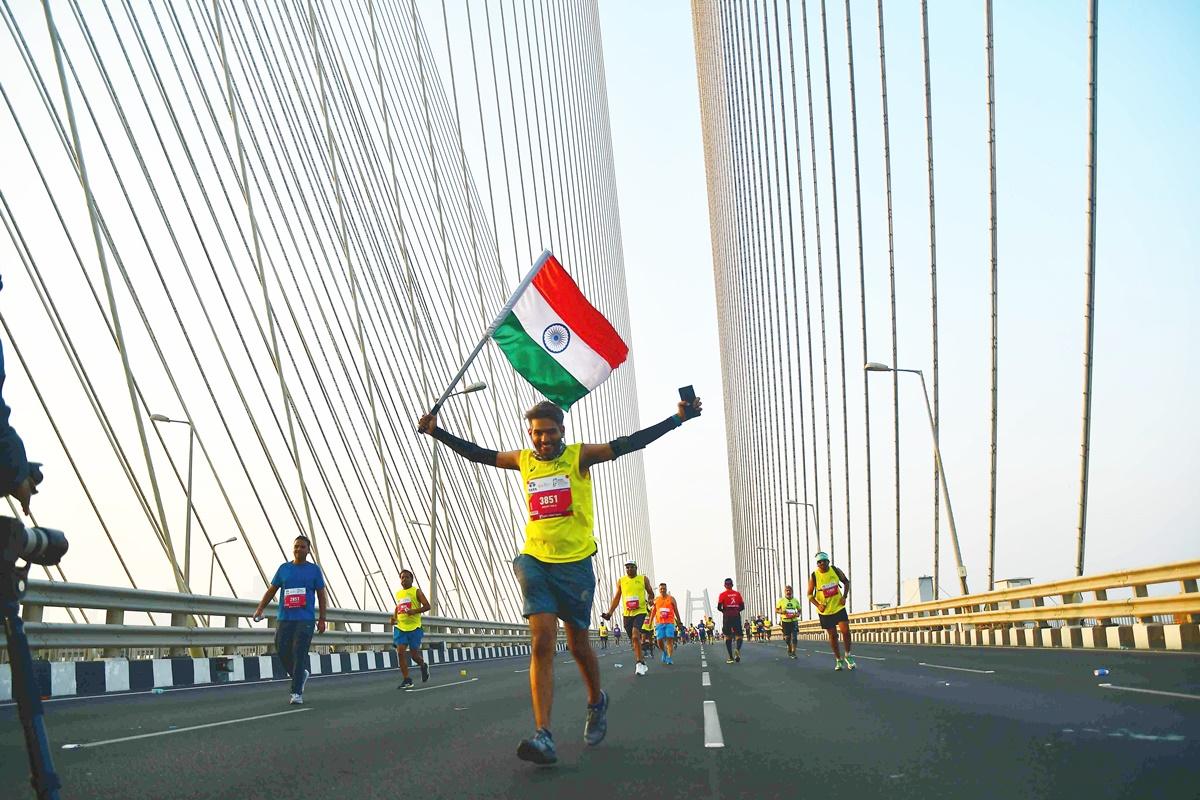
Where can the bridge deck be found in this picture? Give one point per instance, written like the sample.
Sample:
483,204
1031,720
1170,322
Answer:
1027,724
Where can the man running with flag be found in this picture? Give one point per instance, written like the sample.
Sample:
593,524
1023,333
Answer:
565,348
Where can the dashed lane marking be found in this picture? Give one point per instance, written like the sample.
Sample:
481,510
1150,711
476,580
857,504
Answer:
705,680
957,669
1149,691
712,725
871,658
182,730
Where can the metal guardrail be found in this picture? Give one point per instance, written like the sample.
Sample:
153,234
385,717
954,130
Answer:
189,612
1060,602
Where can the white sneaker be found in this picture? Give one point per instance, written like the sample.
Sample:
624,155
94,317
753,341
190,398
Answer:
296,700
641,669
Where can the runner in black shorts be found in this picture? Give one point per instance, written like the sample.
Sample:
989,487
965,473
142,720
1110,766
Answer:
828,588
730,604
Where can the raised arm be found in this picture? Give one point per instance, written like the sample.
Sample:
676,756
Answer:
599,453
468,450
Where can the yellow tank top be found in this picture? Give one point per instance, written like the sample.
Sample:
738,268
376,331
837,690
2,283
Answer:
559,499
406,600
828,590
648,625
633,595
788,608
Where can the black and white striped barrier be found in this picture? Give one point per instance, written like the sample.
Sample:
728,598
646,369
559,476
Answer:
118,675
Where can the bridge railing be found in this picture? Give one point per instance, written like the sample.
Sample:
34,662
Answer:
1059,613
220,625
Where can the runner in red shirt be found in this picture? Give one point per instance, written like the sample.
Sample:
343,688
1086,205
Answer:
730,604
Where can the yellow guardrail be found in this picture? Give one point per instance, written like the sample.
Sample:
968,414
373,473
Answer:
1056,601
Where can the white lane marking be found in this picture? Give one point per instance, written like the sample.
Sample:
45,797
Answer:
712,725
1149,691
521,670
958,669
703,664
705,680
442,686
871,658
182,730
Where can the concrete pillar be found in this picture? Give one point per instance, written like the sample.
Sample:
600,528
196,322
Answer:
230,622
114,616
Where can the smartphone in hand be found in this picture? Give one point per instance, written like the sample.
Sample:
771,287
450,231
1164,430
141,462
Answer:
688,395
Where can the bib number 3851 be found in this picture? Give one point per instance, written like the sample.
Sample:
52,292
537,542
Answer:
550,497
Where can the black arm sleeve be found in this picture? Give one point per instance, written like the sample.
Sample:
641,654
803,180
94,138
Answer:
637,441
468,450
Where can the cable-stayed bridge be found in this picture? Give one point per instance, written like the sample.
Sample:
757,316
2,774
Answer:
245,247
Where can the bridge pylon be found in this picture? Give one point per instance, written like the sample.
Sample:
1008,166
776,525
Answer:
698,603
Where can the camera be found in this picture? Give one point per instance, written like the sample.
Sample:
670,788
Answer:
44,546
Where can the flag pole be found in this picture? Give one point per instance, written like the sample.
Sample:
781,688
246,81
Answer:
508,306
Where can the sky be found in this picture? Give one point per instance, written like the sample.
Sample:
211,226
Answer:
1143,504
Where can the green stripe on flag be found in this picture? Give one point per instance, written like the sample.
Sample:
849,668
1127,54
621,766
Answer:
536,365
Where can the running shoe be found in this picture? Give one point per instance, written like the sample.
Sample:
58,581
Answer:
737,655
296,700
837,665
662,656
641,668
597,721
539,748
424,673
850,661
670,660
406,684
303,681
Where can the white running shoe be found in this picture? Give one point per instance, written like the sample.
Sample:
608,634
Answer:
641,669
296,700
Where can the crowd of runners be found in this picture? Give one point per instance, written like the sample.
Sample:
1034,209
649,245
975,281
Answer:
555,574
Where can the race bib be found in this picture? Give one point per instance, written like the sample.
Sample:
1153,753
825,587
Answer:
664,615
295,598
404,606
791,613
633,603
550,497
829,589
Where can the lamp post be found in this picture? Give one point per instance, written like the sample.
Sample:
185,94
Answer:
187,527
433,586
212,559
367,575
759,579
874,366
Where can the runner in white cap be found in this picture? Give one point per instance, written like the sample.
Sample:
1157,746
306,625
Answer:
828,588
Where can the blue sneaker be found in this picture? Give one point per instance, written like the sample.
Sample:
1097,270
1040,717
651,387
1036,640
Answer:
539,748
597,721
670,660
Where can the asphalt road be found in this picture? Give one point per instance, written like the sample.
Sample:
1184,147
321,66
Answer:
909,722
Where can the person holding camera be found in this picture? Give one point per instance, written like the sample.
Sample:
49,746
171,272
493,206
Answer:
554,569
19,476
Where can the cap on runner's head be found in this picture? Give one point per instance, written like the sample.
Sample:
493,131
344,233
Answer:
822,556
631,563
729,581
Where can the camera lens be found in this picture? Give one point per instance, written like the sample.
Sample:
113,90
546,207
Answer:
45,546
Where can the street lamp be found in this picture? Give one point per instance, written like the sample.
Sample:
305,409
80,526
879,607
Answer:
433,587
875,366
187,528
212,559
367,575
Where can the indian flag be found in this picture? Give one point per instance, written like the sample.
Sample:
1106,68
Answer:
556,339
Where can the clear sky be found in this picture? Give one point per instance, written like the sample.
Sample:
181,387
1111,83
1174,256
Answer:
1144,504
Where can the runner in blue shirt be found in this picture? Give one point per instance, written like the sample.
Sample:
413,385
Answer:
301,582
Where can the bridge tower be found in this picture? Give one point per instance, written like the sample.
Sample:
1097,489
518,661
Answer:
696,603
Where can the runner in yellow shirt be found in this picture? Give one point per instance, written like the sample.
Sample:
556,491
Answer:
788,608
826,592
633,594
554,569
407,632
603,636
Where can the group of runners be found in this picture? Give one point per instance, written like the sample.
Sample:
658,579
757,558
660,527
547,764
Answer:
557,581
